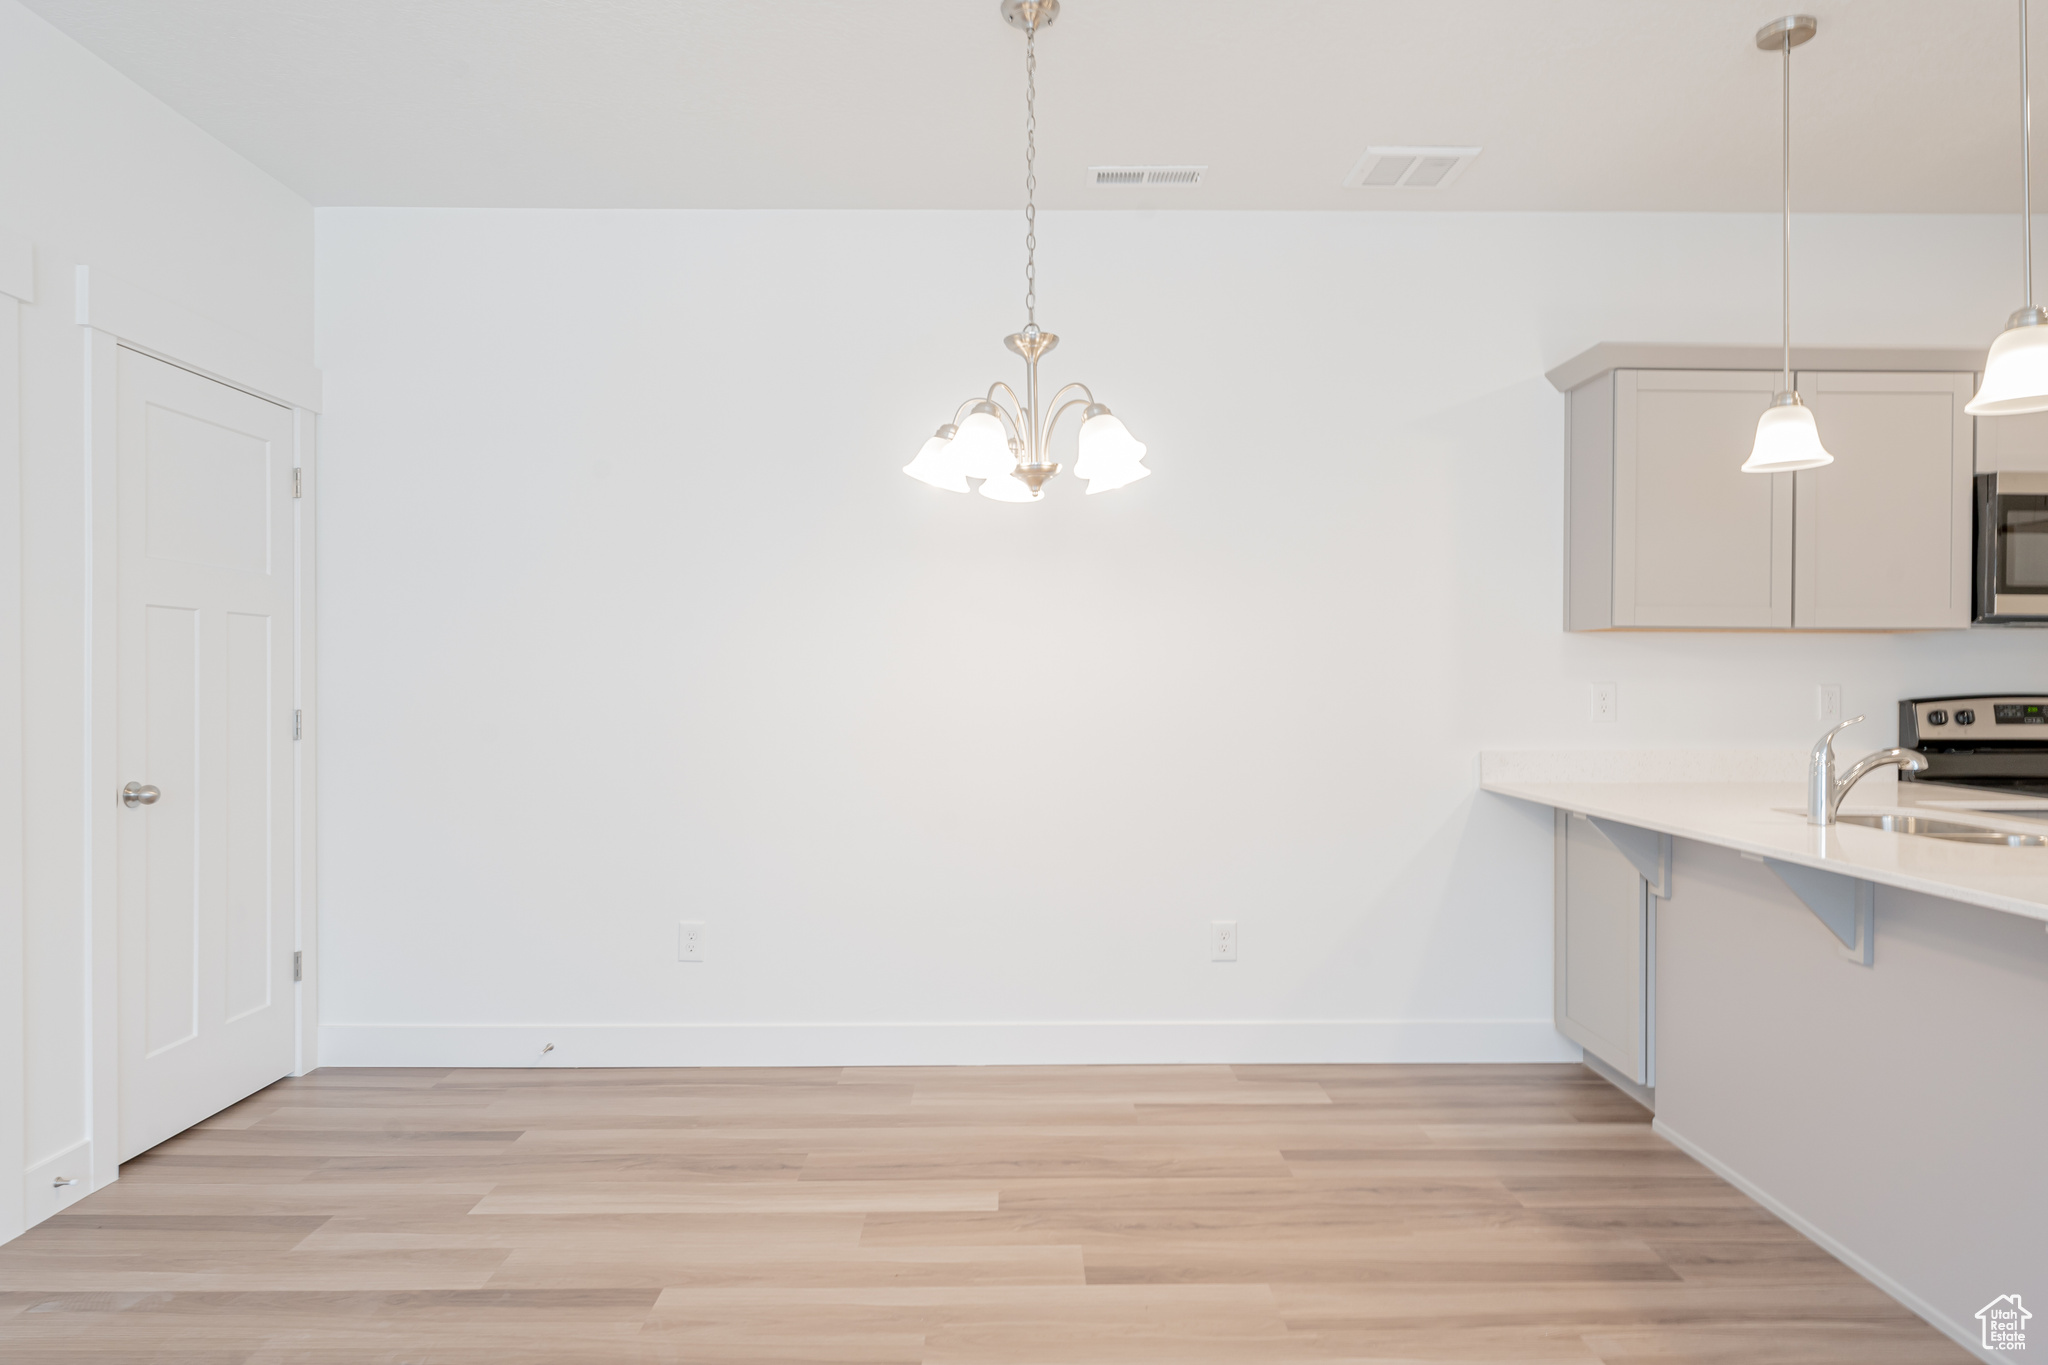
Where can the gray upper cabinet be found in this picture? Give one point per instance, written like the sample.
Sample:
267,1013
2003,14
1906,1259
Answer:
1881,537
1664,530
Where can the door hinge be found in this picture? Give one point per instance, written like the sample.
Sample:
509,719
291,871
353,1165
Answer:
299,966
298,725
298,482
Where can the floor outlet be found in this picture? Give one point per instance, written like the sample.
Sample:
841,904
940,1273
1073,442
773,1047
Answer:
1602,701
1223,941
689,942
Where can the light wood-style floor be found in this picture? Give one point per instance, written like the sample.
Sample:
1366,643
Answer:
951,1216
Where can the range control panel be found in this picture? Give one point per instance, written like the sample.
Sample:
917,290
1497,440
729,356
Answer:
1974,720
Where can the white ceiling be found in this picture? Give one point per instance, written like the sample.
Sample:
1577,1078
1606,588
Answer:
1902,105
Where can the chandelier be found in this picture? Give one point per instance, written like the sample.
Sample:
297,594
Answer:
999,439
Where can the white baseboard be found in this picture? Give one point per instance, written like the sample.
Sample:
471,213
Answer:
1965,1336
946,1044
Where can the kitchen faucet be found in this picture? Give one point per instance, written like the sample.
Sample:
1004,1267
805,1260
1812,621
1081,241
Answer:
1824,794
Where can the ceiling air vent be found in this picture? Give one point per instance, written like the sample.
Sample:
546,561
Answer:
1146,175
1409,168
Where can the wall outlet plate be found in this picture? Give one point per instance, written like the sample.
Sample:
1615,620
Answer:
1601,702
1827,704
1223,940
689,941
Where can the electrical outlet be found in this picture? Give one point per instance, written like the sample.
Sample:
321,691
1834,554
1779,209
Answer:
1223,940
689,942
1602,703
1828,703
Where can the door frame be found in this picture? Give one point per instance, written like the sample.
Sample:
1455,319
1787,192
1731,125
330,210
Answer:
113,313
17,287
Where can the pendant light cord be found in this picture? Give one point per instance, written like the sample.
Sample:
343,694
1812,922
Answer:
1031,177
1788,208
2026,165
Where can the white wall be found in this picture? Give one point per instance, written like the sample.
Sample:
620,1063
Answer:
93,171
628,618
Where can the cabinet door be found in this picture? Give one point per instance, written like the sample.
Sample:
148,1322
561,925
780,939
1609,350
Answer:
1602,949
1697,542
1882,535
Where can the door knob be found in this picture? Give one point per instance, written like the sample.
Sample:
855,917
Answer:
139,794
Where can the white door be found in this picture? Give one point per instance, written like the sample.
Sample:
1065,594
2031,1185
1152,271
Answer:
1884,532
206,569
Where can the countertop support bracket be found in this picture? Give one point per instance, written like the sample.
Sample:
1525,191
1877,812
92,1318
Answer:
1648,850
1846,905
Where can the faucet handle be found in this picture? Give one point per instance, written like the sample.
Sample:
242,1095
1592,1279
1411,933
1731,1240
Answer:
1824,747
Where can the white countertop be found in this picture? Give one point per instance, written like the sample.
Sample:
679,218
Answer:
1751,817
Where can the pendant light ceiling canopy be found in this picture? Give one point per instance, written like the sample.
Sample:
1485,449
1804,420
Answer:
999,439
1787,437
2016,371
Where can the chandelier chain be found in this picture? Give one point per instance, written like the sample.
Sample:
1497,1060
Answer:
1031,177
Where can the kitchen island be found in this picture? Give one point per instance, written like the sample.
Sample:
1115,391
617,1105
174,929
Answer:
1888,1097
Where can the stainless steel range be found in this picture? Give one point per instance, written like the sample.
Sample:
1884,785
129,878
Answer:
1993,742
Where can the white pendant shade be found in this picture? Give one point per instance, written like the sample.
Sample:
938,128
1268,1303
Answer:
1007,487
982,450
2015,374
1787,438
1109,455
935,465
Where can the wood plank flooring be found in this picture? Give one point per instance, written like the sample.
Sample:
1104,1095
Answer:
1277,1215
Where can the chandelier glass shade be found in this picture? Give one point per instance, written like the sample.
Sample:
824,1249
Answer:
1002,440
934,463
982,449
1110,456
2016,371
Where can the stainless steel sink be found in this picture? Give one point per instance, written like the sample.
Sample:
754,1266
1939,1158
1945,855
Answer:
1952,830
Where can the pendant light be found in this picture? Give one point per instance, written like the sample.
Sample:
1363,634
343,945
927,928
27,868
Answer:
1786,435
1004,444
2016,371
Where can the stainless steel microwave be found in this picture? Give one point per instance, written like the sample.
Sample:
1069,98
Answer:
2012,549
